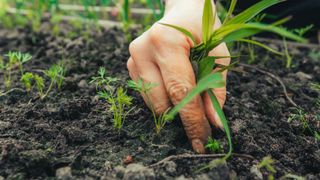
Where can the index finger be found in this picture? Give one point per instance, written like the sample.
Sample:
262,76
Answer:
179,79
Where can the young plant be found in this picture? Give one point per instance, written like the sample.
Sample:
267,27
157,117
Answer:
20,58
56,75
267,164
144,88
213,145
30,79
233,29
300,115
116,97
14,59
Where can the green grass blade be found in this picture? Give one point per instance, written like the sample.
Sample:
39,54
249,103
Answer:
184,31
213,80
223,119
235,32
230,11
252,11
205,67
261,45
208,19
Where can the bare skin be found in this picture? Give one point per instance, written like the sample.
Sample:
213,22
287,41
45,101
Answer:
161,55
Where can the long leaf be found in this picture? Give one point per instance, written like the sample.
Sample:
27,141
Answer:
208,19
261,45
230,11
205,67
213,80
184,31
223,119
252,11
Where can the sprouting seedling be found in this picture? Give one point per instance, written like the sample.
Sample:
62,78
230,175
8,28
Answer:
20,58
213,145
56,76
27,80
233,29
267,163
301,115
30,79
144,88
116,97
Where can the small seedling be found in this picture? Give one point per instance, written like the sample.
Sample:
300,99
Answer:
29,79
267,163
56,75
213,145
116,97
19,58
302,116
144,88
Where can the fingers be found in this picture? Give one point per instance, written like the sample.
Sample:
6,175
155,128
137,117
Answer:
179,80
156,97
220,93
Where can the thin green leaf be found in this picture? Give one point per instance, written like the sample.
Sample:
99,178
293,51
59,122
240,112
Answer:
223,119
205,67
224,68
252,11
230,11
208,19
261,45
213,80
184,31
235,32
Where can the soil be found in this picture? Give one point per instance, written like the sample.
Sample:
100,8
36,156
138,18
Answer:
70,135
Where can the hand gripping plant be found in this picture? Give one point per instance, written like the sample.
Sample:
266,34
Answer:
233,29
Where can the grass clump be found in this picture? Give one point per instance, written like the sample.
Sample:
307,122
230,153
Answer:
233,29
116,97
144,88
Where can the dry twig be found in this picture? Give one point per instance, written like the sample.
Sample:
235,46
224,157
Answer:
198,156
274,77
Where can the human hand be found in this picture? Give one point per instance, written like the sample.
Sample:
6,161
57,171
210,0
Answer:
161,55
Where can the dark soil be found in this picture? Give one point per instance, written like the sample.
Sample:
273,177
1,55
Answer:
70,134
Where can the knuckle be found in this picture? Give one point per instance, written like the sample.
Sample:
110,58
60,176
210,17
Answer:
177,91
160,108
159,35
196,128
130,64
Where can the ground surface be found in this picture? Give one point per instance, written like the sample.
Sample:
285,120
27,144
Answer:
70,135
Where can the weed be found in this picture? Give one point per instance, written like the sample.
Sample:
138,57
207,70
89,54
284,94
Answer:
267,163
116,97
144,88
213,145
233,29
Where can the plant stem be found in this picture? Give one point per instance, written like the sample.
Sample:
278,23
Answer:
48,90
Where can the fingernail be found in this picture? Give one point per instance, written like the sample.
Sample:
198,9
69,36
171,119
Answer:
218,121
197,146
